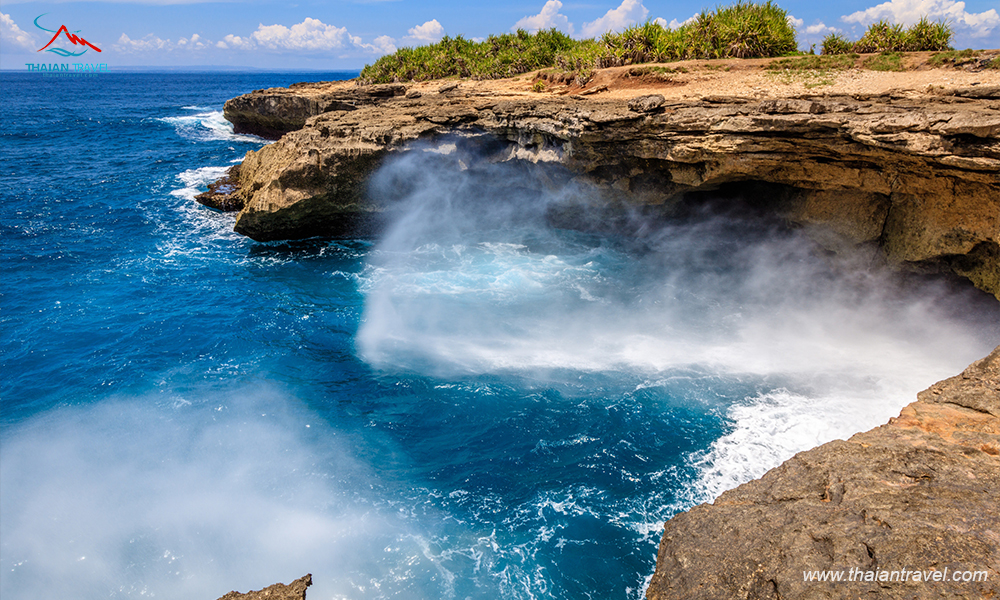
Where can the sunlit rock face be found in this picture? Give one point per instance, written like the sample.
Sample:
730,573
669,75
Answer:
906,510
915,175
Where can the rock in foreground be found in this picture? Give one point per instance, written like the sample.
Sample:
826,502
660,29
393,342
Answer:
295,590
921,493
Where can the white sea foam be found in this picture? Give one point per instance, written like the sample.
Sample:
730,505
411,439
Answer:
188,498
208,126
471,280
196,181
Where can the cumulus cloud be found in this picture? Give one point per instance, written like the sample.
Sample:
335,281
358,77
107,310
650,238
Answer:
820,28
811,32
547,19
908,12
145,44
384,44
310,35
674,23
14,36
151,43
235,42
429,32
628,13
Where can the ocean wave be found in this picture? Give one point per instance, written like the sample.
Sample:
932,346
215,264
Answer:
208,126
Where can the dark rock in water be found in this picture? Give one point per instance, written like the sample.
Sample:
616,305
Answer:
920,494
221,194
295,590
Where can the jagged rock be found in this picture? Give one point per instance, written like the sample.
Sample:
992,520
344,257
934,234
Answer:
919,493
221,194
295,590
918,174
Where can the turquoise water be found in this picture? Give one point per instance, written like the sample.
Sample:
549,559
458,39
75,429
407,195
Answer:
473,404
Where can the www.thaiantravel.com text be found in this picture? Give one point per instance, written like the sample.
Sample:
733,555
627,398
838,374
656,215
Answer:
901,575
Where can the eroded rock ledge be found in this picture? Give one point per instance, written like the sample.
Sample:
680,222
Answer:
919,493
916,173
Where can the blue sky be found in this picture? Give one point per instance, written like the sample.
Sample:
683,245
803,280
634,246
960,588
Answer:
335,35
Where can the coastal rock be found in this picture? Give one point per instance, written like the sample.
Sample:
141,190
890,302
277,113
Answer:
221,194
917,494
917,174
274,112
295,590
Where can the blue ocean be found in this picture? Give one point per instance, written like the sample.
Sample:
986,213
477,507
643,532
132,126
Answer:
472,404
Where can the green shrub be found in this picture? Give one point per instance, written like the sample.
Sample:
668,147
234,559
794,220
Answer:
496,57
925,36
836,44
922,36
741,30
881,37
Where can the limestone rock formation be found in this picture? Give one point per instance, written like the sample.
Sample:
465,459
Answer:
295,590
921,493
916,173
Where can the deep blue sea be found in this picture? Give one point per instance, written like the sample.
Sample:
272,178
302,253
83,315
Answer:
472,405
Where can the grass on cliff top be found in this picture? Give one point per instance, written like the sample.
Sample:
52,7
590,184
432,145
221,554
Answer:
741,30
882,36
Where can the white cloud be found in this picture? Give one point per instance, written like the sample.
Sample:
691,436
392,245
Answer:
820,28
145,44
674,23
547,19
908,12
429,32
195,42
236,42
384,44
629,13
14,35
310,35
816,29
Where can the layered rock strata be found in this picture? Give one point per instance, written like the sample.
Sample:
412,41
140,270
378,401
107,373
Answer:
919,494
916,173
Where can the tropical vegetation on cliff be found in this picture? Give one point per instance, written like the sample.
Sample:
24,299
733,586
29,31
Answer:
885,37
740,30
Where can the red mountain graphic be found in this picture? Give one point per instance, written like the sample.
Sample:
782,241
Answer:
73,39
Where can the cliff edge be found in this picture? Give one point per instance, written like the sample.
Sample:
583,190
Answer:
914,170
906,510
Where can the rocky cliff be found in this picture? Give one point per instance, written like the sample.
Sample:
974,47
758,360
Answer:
295,590
919,494
916,172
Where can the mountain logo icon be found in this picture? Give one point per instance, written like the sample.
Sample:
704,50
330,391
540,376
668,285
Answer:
72,38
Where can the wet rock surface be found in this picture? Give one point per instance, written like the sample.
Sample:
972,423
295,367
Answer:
921,493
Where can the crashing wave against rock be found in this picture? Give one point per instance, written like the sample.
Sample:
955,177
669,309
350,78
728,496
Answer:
916,174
